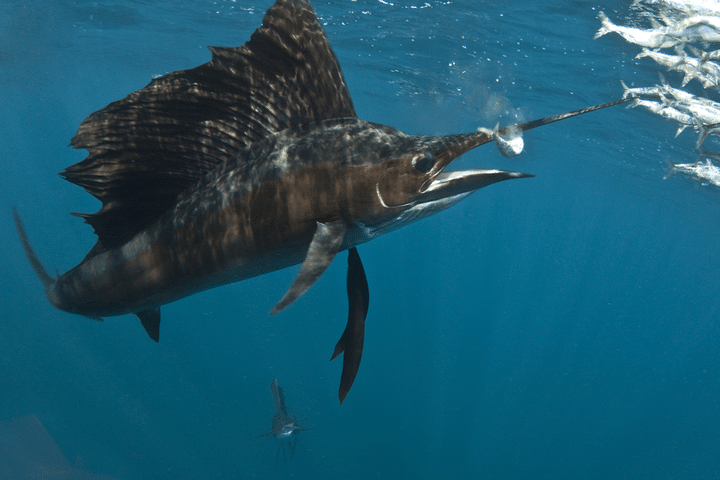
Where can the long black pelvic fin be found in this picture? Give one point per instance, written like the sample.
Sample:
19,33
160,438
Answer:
352,339
514,129
40,271
324,246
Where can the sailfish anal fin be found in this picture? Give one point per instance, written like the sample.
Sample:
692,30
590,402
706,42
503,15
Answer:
148,148
150,320
353,337
324,246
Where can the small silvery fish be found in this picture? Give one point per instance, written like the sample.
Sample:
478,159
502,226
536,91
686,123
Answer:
706,173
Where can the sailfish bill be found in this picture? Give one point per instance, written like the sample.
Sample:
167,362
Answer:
252,162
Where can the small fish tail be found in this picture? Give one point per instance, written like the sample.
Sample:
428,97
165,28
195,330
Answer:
703,130
605,28
645,52
626,89
670,171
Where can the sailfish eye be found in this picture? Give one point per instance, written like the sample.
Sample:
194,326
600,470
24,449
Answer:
424,163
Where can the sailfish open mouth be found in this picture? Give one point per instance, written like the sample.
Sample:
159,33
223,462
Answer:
443,184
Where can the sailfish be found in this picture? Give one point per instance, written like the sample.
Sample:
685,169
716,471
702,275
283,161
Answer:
252,162
283,426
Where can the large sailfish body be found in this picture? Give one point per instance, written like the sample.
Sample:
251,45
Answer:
259,212
252,162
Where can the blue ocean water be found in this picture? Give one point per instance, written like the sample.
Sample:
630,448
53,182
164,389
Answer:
563,326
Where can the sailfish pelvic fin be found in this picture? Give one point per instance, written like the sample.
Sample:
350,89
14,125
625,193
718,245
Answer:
352,339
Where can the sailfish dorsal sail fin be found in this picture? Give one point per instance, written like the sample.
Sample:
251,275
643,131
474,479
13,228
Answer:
149,147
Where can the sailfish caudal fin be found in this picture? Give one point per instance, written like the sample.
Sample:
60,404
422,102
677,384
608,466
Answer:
40,271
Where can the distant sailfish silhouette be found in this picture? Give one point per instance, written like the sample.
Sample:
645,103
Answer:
283,427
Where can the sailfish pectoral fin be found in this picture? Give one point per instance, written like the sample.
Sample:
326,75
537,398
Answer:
150,319
324,246
352,339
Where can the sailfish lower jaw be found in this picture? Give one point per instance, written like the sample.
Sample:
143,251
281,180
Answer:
448,188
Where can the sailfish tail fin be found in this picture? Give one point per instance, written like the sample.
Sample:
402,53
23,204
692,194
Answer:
40,271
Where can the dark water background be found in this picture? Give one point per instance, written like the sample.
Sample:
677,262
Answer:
564,326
